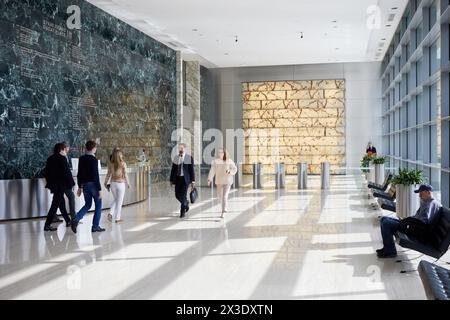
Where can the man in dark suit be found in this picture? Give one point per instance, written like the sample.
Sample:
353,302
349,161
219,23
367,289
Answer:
69,192
59,178
182,175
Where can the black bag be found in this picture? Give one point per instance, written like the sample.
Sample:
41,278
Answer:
416,228
193,195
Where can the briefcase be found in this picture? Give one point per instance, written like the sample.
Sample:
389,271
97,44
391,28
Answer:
193,195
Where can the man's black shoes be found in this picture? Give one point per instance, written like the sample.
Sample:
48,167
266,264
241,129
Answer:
74,225
386,255
97,229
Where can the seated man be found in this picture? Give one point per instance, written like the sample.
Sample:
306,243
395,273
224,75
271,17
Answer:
424,217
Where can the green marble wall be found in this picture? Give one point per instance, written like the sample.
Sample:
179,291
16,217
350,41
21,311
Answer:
106,81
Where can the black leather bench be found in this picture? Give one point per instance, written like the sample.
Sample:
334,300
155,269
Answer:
389,195
437,246
435,280
387,205
381,187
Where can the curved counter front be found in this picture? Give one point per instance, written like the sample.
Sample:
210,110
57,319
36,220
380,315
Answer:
28,198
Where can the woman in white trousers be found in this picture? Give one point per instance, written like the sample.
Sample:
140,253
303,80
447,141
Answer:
223,169
117,174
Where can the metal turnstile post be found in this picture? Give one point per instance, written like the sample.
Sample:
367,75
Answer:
238,176
302,176
280,175
325,175
257,175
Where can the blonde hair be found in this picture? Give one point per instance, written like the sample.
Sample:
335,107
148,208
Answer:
117,159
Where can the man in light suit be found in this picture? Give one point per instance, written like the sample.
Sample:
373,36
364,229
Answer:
182,175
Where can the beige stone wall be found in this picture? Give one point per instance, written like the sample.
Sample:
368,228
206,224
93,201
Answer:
294,121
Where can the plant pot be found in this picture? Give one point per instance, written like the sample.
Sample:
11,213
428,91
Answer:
379,173
371,174
407,201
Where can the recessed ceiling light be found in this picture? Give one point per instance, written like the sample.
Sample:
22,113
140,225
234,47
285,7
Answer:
336,48
225,54
384,39
388,25
195,30
334,21
394,8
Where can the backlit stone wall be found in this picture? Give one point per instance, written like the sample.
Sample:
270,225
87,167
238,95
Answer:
294,121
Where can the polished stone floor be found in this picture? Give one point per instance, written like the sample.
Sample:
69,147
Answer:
287,244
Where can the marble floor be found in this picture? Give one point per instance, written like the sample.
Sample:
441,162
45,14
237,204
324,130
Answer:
272,244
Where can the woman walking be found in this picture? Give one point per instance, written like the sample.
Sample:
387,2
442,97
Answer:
117,174
223,169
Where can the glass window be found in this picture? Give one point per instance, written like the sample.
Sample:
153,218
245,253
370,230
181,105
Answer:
412,154
404,145
419,108
433,102
417,134
419,145
412,106
419,34
404,116
433,144
419,72
435,57
433,14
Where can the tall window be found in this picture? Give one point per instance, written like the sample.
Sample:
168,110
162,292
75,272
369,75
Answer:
416,122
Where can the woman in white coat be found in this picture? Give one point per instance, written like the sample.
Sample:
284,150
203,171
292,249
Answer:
223,169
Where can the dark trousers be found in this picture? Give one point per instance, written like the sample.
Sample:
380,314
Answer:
90,192
71,197
57,202
181,189
389,227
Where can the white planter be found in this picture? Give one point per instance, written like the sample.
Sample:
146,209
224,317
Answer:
371,174
407,201
379,173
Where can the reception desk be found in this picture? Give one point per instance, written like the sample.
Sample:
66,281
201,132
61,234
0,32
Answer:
28,198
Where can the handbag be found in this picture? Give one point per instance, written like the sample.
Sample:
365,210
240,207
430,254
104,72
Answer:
416,228
193,195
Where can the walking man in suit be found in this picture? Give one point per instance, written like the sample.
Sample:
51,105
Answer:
69,192
59,179
182,175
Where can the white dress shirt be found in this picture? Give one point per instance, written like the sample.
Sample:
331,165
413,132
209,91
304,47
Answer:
181,161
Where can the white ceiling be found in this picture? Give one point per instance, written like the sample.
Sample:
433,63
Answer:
268,33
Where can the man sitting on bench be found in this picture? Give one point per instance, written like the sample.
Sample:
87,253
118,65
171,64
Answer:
418,225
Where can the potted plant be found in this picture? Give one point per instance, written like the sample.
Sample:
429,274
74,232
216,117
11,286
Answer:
365,166
379,169
405,182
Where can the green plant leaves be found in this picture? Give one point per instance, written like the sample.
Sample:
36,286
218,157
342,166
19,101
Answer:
379,160
408,177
